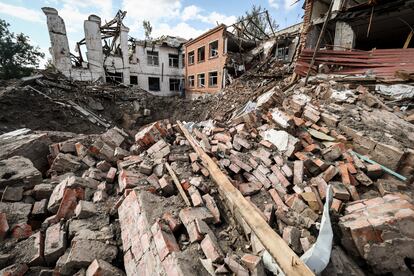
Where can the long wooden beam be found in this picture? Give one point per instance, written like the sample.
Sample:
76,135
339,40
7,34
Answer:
287,260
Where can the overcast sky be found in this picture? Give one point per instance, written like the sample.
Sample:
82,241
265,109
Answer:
185,18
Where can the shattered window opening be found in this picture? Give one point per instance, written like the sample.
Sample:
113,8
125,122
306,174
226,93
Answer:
191,81
201,54
174,85
153,84
212,79
173,60
133,80
213,49
191,58
152,58
201,80
183,59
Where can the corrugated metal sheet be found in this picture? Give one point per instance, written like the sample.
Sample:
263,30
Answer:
383,63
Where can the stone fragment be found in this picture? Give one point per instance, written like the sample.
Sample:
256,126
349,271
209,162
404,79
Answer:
30,250
40,208
64,163
43,191
15,270
85,209
83,252
18,171
11,193
55,243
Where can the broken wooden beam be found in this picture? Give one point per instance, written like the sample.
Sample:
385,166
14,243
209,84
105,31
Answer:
284,256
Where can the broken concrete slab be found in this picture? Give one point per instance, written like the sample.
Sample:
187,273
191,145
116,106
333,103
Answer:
19,171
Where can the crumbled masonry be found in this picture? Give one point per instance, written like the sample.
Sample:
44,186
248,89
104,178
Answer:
105,179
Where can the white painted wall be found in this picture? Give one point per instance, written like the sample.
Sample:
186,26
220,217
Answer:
162,71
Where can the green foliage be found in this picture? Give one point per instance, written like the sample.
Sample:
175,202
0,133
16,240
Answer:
147,29
259,22
17,57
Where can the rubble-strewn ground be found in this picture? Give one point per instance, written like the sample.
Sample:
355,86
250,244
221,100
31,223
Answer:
86,188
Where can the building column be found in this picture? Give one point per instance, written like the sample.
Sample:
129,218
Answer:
93,43
60,46
125,54
344,36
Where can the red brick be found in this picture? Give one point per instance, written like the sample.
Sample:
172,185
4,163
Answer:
329,173
211,249
21,231
234,168
301,156
4,226
322,186
312,148
250,188
164,240
173,222
110,177
285,183
195,196
340,192
374,171
277,199
262,178
166,185
343,169
297,172
212,207
336,205
193,232
102,268
69,202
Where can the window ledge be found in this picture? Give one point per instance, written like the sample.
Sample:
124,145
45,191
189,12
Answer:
201,61
213,57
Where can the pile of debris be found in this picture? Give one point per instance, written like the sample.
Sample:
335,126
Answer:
49,101
292,162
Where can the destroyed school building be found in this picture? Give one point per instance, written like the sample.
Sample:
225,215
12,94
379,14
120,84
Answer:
155,66
163,66
301,165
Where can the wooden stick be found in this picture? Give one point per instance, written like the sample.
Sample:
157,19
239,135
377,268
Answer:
177,183
284,256
407,42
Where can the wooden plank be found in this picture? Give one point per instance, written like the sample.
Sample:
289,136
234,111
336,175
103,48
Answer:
177,183
284,256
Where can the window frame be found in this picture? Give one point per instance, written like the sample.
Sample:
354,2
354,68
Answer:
198,80
191,83
210,77
210,49
198,55
191,54
177,83
159,84
176,57
151,56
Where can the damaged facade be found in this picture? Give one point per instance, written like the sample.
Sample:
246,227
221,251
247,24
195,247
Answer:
361,37
111,56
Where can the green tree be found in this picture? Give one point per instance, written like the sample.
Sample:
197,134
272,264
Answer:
17,57
256,22
147,29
